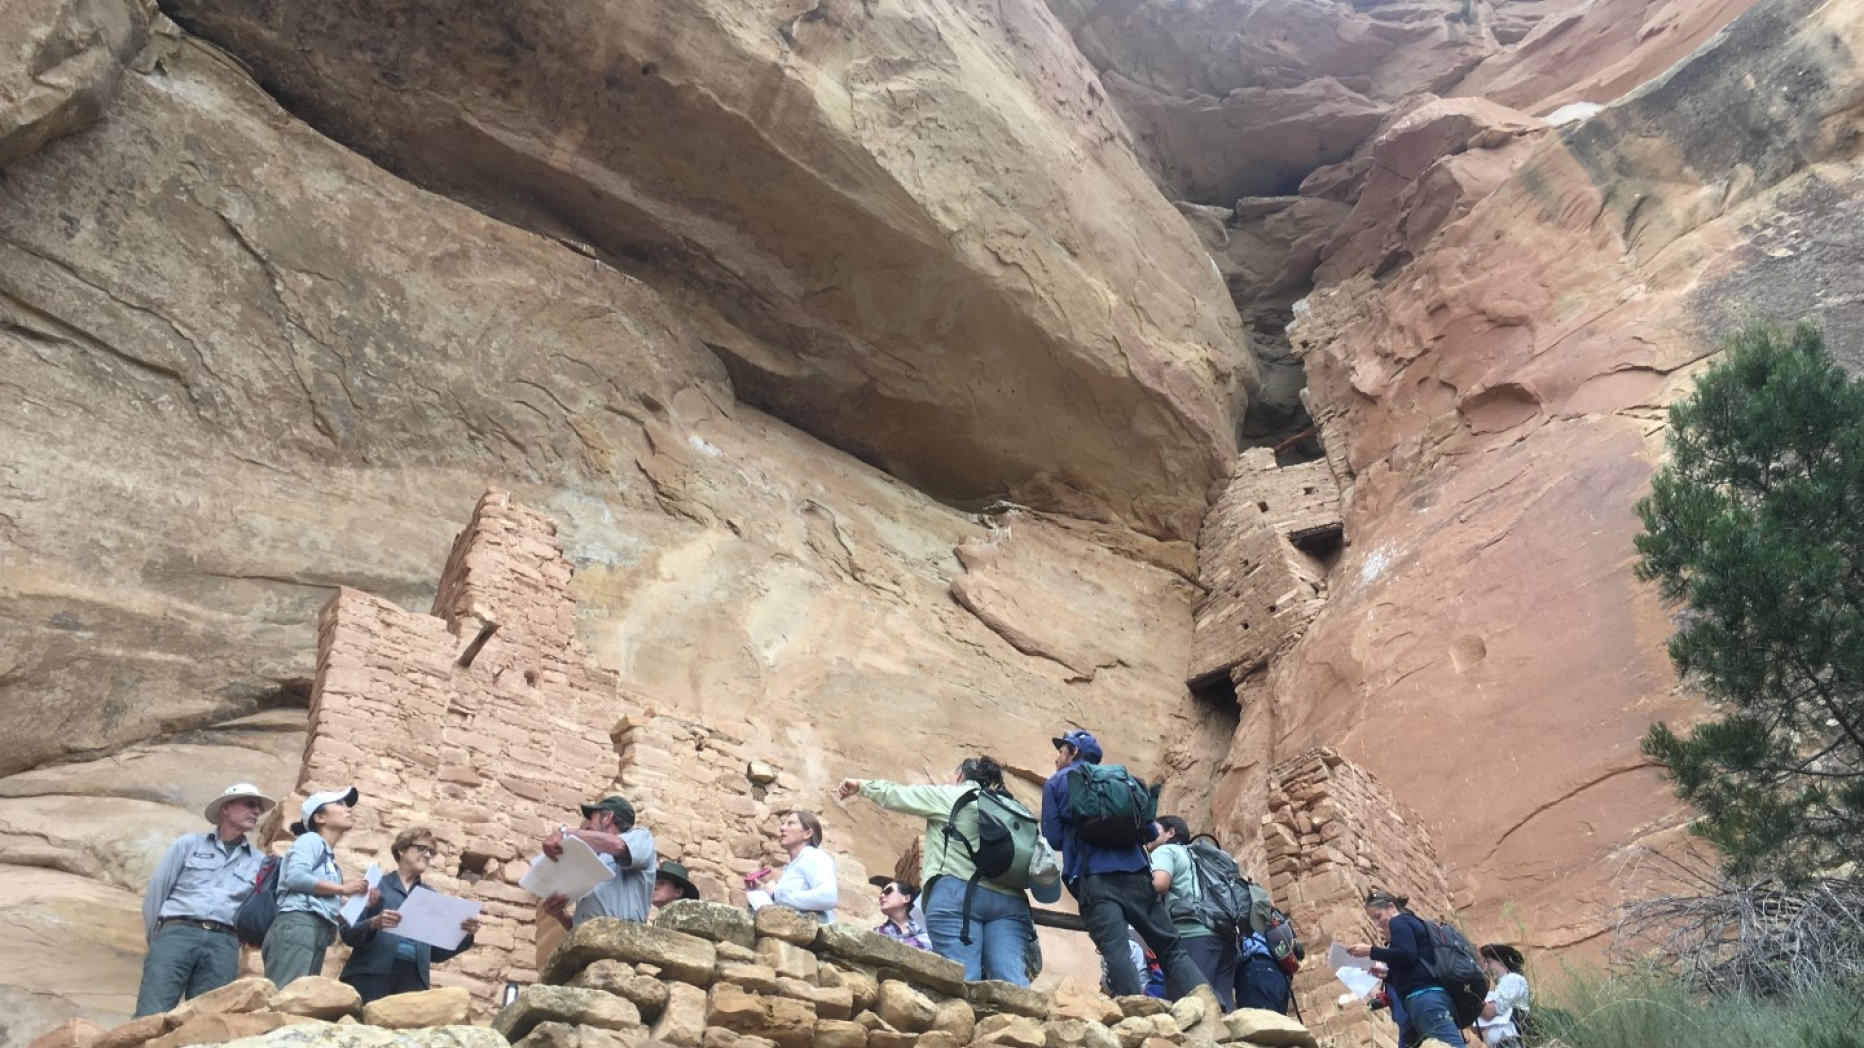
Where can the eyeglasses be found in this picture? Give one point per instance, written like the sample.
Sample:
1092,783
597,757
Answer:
426,849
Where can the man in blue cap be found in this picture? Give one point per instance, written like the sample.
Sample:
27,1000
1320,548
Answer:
1112,884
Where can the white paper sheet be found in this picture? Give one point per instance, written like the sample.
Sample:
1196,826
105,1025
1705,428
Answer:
1361,982
757,898
355,904
576,874
1355,972
430,917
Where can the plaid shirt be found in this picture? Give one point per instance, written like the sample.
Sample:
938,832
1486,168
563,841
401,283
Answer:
913,935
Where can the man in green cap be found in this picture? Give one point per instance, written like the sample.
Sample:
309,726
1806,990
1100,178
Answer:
609,830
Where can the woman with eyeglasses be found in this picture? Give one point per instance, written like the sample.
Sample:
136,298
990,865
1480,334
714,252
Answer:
896,905
383,964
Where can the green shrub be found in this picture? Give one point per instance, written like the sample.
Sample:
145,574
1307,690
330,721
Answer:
1651,1011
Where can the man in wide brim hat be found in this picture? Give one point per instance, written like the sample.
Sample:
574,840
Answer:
193,896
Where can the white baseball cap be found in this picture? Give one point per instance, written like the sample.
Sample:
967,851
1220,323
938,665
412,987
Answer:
346,796
237,792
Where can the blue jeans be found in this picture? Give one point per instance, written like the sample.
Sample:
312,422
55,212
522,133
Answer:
185,961
1432,1017
1000,930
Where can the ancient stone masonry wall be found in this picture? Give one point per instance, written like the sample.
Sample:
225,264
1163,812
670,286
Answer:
486,722
708,975
1332,834
1257,560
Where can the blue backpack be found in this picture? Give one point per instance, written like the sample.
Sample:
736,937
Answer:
255,915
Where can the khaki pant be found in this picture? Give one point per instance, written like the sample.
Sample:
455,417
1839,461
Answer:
294,946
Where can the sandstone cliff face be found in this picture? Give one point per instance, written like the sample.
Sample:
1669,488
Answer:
916,231
251,366
1496,406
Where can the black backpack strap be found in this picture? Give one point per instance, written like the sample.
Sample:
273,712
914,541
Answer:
970,887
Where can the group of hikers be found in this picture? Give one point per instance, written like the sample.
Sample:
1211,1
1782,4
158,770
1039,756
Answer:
1152,898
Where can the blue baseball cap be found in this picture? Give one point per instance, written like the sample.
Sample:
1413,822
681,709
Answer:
1082,741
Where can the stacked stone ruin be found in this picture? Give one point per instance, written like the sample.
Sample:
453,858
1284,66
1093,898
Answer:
1262,559
704,975
487,722
1333,833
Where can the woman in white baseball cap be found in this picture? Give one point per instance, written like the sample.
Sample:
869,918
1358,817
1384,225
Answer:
311,889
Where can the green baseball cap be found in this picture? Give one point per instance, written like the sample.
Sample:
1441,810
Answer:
616,806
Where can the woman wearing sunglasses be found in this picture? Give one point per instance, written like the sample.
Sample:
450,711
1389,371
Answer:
382,963
896,905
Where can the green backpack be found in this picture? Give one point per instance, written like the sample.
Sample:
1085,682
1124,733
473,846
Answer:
1110,807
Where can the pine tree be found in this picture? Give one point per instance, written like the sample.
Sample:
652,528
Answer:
1757,526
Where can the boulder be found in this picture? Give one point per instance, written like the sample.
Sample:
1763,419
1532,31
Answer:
1011,1031
922,967
1140,1004
937,1039
317,997
708,920
1258,1026
1134,1029
756,978
619,978
839,1033
904,1008
955,1017
133,1033
732,953
72,1033
573,1005
1097,1035
785,1020
1076,998
995,995
863,989
1199,1015
831,1002
447,1006
240,995
352,1035
891,1039
60,61
719,1037
551,1035
786,958
682,1022
215,1027
791,926
687,958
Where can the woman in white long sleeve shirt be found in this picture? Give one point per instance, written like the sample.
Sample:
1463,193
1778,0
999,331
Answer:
808,882
1504,1011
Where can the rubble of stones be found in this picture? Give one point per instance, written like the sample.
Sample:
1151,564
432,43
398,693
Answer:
704,975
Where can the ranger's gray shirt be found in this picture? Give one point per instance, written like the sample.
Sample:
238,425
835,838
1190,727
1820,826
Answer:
309,861
198,878
630,893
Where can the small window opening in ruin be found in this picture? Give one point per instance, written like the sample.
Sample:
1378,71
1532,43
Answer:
1323,544
1262,506
474,866
530,678
1215,690
1273,608
1307,491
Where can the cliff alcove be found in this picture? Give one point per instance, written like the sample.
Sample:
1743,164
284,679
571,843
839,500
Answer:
902,379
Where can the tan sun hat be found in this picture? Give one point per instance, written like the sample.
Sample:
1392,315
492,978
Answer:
237,792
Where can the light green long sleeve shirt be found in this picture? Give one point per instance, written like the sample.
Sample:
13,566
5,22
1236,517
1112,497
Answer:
933,803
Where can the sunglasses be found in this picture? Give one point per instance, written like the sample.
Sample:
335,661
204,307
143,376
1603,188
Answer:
425,849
